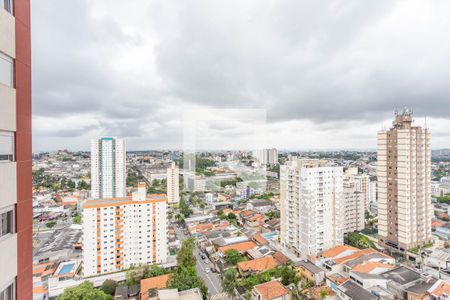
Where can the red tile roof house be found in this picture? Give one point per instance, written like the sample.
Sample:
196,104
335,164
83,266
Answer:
241,247
272,290
258,265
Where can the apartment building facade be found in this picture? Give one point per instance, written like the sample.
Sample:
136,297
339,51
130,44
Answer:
125,231
173,184
15,151
266,156
353,206
108,168
404,184
311,198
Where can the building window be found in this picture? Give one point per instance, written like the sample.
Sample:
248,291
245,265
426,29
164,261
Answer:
6,145
7,5
6,222
8,293
6,69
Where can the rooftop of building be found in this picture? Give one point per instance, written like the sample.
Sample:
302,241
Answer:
308,265
271,290
241,247
372,267
174,294
401,275
422,286
158,282
339,251
282,259
439,289
259,264
151,198
337,278
355,292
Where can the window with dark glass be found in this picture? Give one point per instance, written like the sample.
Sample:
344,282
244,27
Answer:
6,146
7,5
8,293
6,222
6,69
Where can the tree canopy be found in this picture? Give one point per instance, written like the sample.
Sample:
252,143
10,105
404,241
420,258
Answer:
84,291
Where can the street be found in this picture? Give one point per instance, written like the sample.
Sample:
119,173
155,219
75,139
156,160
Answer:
212,280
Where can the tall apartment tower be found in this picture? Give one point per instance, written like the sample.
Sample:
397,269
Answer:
16,230
311,193
108,168
126,231
173,184
266,156
353,206
361,183
404,185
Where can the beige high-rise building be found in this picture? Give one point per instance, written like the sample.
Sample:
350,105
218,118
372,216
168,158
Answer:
404,185
353,205
173,184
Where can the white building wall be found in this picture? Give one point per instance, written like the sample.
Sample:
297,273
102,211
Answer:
8,173
311,200
143,240
173,184
108,168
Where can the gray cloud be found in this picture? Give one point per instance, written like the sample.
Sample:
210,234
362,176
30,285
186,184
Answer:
130,70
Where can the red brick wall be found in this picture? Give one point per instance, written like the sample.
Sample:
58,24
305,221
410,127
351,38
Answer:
23,150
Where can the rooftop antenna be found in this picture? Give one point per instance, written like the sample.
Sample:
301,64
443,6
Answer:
426,127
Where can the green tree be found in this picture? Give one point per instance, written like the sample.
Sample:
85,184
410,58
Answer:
76,219
154,271
186,278
358,240
185,256
84,291
133,277
184,208
229,282
50,224
82,185
233,256
109,286
288,275
71,184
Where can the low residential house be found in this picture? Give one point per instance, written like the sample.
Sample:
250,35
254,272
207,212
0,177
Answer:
399,279
272,290
241,247
150,285
200,228
345,258
439,258
124,292
333,280
258,265
255,221
310,271
261,206
351,291
439,291
282,259
260,252
260,240
328,258
368,274
419,290
174,294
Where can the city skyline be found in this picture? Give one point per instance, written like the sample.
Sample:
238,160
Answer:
337,77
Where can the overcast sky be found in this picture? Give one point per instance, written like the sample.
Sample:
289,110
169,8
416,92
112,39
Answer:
327,73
